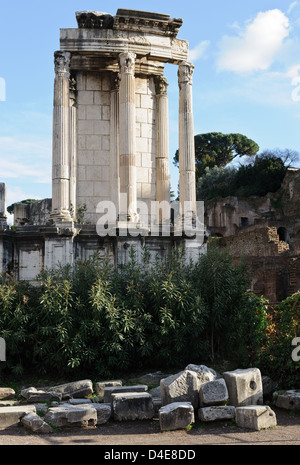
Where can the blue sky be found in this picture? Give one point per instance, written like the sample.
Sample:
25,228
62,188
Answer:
246,80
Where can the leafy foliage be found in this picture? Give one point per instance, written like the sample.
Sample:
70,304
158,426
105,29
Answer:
283,327
217,149
264,175
95,318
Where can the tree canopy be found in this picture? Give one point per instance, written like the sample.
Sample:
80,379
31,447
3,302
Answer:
262,175
217,149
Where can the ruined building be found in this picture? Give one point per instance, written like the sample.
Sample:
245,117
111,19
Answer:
110,172
265,231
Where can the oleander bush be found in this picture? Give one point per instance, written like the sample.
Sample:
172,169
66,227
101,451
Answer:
93,318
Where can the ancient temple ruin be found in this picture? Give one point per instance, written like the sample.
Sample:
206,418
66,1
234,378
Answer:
110,165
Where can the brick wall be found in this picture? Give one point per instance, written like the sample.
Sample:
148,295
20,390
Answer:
260,242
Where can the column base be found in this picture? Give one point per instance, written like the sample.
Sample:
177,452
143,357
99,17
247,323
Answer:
61,217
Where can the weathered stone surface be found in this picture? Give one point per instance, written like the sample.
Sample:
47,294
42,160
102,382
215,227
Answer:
216,413
255,417
289,400
244,387
177,415
108,391
79,401
269,386
100,386
155,392
10,416
157,403
33,395
94,20
132,406
35,423
182,387
205,374
7,393
71,415
104,413
8,403
213,392
42,408
75,389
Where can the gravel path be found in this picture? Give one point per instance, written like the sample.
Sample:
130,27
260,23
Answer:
148,433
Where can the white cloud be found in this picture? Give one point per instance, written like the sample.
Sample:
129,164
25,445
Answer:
199,51
256,46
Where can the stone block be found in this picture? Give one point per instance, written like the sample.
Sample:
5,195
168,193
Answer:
216,413
7,393
85,127
71,415
177,415
35,396
79,401
35,423
8,403
204,373
213,392
104,413
244,387
269,386
85,97
100,386
10,416
75,389
108,391
181,387
101,127
289,400
255,417
132,406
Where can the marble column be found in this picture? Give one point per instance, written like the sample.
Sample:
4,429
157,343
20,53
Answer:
73,146
114,143
187,180
128,195
3,214
61,139
162,150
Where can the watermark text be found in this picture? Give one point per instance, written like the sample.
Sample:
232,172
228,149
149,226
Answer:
296,351
2,350
2,89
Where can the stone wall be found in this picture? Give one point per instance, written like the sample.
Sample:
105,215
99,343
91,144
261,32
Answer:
274,271
262,242
93,143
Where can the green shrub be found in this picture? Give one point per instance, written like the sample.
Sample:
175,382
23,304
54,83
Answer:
95,318
283,328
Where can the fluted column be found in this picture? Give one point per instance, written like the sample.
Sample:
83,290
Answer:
187,181
162,150
114,143
61,139
3,214
73,145
128,207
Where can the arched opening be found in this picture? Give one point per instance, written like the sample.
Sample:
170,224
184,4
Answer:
283,235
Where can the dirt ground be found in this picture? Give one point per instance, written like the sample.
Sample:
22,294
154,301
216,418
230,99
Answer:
147,433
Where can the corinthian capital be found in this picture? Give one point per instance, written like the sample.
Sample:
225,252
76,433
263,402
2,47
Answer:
62,63
185,73
127,63
161,85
